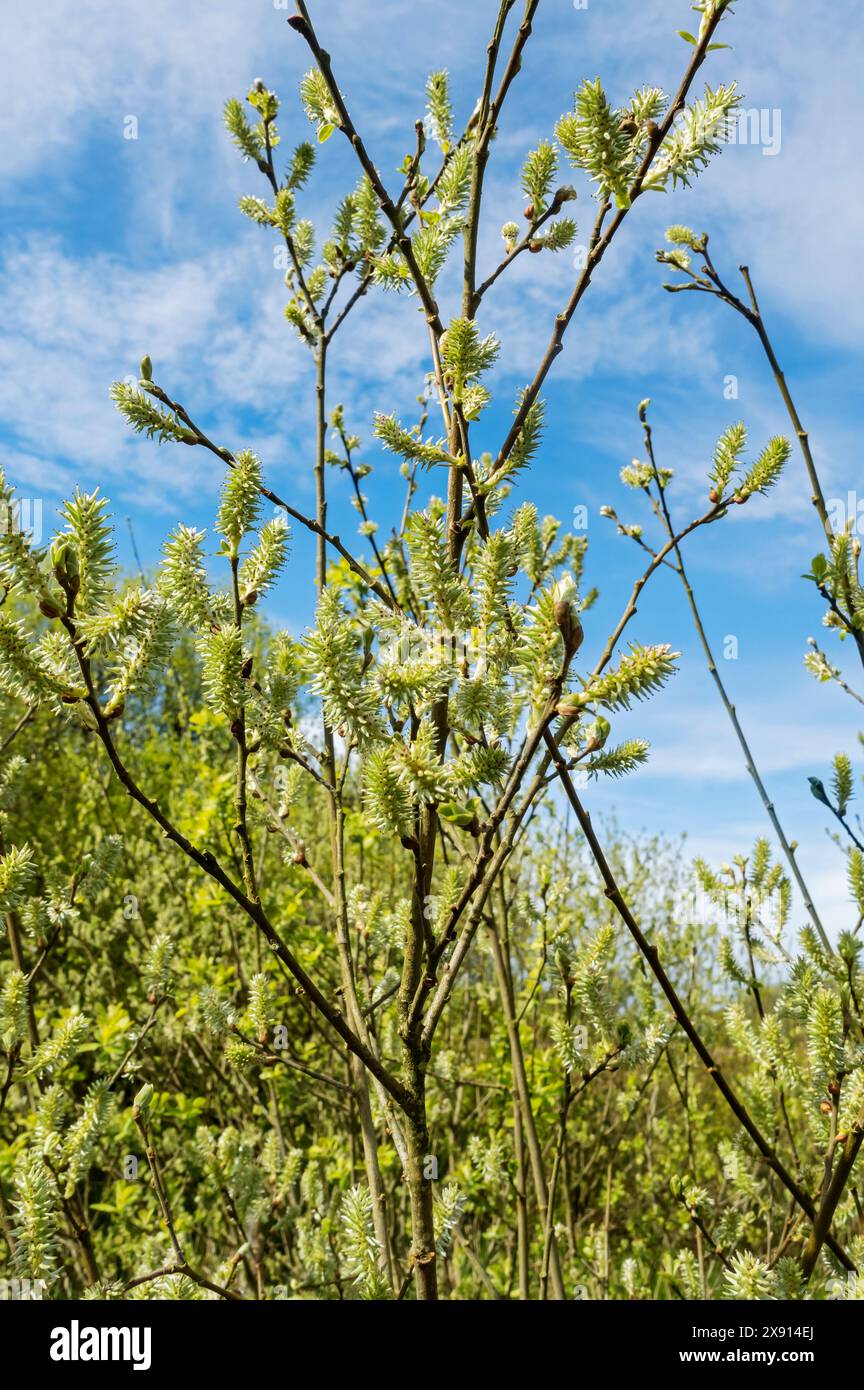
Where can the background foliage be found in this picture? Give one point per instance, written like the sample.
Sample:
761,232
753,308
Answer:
320,983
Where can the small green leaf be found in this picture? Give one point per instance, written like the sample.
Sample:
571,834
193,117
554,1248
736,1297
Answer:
818,568
324,133
688,37
456,814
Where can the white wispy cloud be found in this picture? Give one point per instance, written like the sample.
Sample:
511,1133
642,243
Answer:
172,68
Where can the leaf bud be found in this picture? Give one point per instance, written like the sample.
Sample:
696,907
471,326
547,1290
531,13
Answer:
597,733
568,709
64,558
143,1098
569,626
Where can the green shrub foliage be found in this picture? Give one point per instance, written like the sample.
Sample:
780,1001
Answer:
317,980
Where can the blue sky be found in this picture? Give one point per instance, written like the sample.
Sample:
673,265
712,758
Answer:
114,247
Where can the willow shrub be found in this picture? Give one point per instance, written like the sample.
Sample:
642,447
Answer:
320,980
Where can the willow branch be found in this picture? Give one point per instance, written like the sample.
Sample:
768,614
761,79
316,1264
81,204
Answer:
600,242
207,861
316,527
651,956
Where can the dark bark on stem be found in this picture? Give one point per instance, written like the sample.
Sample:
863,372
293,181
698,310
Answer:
651,956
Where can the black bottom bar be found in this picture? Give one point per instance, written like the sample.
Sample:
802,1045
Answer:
90,1341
